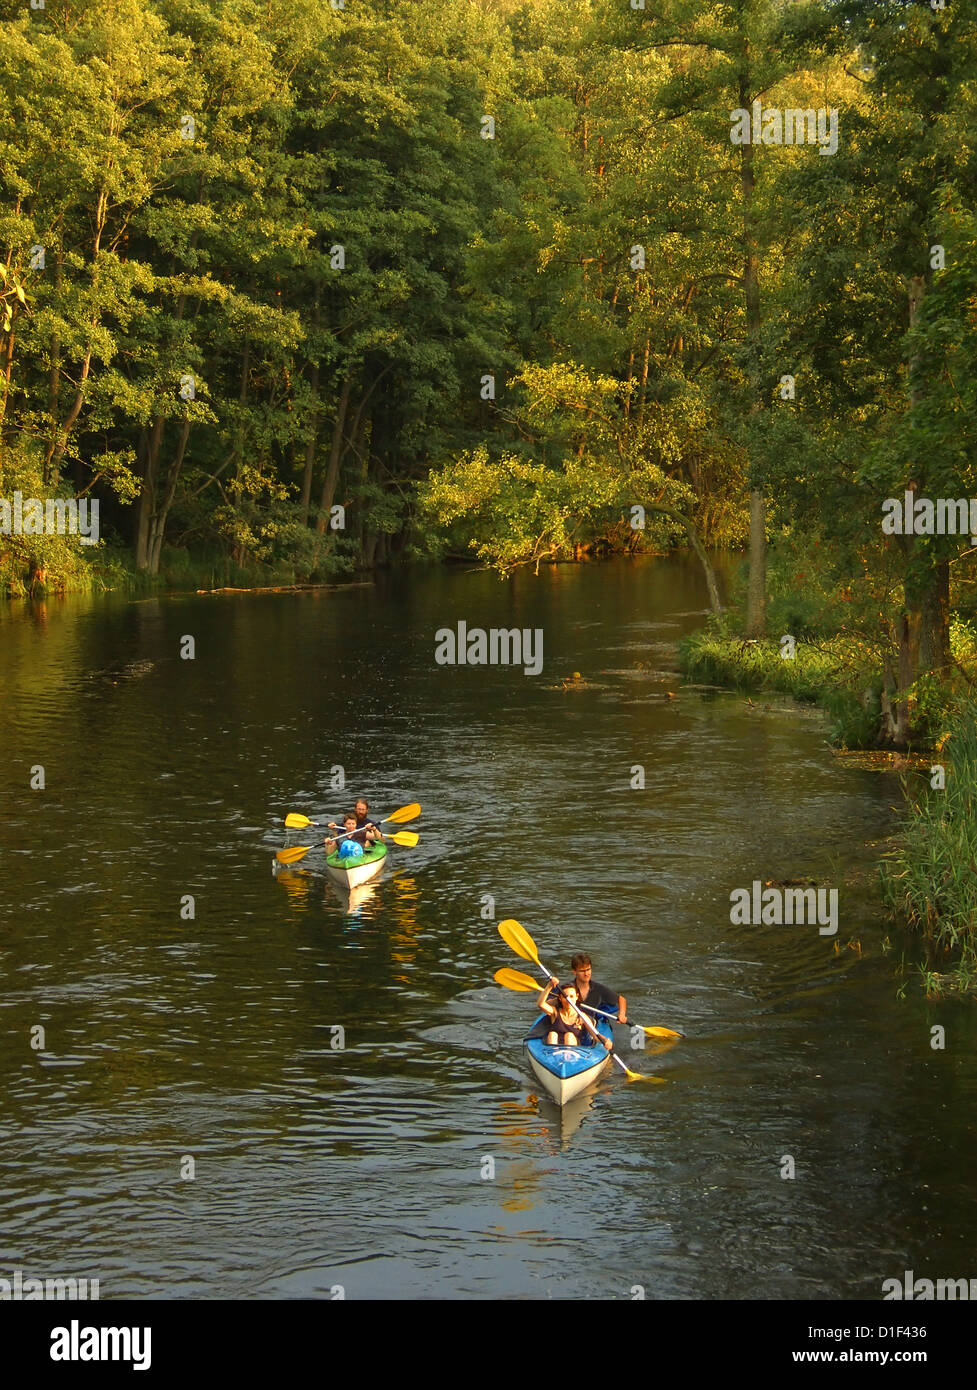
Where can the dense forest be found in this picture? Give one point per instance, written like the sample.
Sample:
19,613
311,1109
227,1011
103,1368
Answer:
309,286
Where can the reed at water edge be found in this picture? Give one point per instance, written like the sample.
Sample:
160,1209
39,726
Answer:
930,879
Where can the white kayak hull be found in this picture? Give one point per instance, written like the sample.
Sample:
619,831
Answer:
353,872
563,1089
564,1072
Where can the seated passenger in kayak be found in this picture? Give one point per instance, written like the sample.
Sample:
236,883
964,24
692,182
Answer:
366,837
362,813
592,994
569,1028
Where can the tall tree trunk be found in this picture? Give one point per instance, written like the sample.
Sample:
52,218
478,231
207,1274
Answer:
896,707
644,377
697,546
57,446
150,446
361,463
335,457
756,596
929,601
8,361
7,376
934,621
310,450
59,439
163,510
313,443
756,591
238,552
54,370
146,522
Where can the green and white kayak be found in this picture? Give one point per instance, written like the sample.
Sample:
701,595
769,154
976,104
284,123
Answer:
352,872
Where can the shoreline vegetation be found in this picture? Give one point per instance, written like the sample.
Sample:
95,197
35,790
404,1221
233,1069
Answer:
101,569
928,868
111,570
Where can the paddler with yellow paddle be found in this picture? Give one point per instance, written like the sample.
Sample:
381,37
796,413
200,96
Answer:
593,995
518,939
361,811
406,838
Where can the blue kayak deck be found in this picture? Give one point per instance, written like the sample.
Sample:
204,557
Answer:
565,1062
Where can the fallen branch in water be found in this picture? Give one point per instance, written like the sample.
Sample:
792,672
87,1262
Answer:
286,588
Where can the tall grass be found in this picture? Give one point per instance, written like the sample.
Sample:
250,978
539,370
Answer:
833,672
931,879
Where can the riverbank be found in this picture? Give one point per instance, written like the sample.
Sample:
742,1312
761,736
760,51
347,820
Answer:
111,569
929,875
833,672
929,879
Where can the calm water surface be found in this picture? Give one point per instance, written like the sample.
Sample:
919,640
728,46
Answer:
362,1167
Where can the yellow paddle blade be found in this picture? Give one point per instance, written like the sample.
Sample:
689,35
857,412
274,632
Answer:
661,1033
515,979
405,813
296,822
407,838
293,855
519,940
636,1076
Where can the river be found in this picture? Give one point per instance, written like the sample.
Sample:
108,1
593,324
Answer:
346,1078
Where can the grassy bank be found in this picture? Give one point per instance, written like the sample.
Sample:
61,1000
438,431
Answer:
930,879
834,672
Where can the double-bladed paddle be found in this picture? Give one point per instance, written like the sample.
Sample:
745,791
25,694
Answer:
406,838
519,940
669,1033
293,821
515,979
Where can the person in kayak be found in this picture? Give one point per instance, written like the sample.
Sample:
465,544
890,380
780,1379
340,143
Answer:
596,996
362,813
363,818
569,1028
365,836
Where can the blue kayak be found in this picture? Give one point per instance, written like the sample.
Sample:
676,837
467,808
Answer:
566,1071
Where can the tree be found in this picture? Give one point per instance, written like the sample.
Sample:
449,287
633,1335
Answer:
881,330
